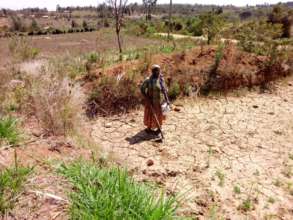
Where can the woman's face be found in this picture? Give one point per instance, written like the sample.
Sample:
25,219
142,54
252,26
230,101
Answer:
156,72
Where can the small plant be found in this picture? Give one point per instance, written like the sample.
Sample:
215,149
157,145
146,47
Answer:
291,156
221,177
271,200
8,131
109,193
247,205
237,190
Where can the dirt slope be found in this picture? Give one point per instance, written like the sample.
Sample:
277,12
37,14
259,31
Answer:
215,148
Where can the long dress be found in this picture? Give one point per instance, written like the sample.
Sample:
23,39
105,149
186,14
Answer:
152,107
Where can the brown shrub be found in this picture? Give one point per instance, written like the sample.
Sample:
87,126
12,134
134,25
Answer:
55,101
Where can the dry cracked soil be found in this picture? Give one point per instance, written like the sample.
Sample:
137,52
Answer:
226,157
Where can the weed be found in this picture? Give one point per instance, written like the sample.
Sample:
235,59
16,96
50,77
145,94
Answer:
221,177
246,205
108,193
237,190
8,131
291,156
277,183
271,200
11,183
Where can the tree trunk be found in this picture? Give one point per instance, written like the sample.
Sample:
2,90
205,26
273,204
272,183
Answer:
170,20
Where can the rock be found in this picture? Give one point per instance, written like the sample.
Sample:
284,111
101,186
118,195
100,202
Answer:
150,163
255,106
108,125
176,109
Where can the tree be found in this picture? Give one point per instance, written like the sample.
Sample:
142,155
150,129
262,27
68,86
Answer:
34,26
170,20
280,15
148,7
118,10
211,24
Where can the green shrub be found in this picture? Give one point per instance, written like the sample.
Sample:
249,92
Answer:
255,36
109,193
194,26
174,90
8,131
11,184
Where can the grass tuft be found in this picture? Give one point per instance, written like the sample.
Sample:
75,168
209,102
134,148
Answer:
11,182
109,193
8,131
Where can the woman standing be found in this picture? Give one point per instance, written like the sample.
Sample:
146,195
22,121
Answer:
152,89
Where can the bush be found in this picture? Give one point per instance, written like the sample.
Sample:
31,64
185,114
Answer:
174,90
114,95
8,131
109,193
17,25
194,26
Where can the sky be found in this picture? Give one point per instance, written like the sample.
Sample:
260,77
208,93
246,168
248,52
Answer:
51,4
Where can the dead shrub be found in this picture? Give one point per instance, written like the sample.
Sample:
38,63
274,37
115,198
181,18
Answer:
56,102
113,95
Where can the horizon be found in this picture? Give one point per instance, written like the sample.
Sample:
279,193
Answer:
16,5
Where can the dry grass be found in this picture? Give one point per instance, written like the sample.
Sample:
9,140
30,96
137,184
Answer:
53,99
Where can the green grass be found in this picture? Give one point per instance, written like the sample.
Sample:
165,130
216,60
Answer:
109,193
8,131
11,184
237,190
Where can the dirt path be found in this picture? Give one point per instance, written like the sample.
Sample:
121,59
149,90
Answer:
231,156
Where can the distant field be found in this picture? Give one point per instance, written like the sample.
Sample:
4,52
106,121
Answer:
78,43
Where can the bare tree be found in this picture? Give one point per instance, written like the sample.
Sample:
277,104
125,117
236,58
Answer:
148,7
118,10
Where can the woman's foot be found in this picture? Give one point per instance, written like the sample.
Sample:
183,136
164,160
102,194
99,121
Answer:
148,130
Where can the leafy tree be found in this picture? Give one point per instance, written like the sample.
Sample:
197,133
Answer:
34,26
280,15
211,23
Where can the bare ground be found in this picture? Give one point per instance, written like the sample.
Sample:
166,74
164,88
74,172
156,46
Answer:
228,157
213,147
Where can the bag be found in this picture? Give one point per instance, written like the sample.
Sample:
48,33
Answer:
165,108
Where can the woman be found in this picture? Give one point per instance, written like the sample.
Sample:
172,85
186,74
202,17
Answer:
152,89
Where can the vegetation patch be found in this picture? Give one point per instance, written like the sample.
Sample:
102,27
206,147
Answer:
9,132
11,185
109,193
